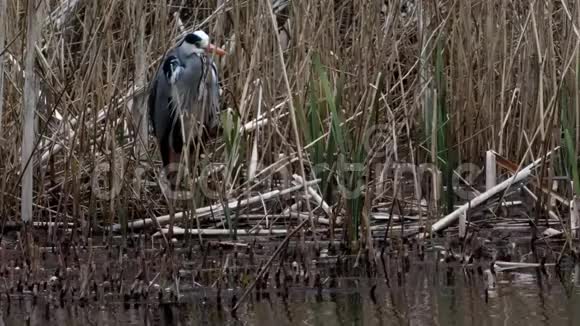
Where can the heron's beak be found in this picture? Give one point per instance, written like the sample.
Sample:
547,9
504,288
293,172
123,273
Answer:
217,50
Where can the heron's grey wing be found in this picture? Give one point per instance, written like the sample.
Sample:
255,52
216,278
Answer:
213,93
161,108
160,103
186,88
197,91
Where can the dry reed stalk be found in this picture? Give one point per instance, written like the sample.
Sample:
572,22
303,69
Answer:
223,232
254,154
575,218
490,170
31,90
131,93
139,103
502,68
206,211
3,31
295,127
316,197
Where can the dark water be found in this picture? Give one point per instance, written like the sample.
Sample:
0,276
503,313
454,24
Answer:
426,295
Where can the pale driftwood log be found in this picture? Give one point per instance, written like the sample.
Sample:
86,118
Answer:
316,197
475,202
224,232
216,208
30,101
318,219
380,216
3,31
501,266
551,232
512,203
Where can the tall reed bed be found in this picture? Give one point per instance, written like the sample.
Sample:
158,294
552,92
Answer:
373,84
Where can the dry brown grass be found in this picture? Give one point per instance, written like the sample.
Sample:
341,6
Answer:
505,65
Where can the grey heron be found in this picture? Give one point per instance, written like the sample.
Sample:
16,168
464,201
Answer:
184,94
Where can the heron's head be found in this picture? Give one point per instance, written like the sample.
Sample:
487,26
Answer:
198,42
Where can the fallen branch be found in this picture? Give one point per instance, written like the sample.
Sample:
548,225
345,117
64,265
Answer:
512,168
209,232
267,265
518,177
380,216
16,226
316,197
501,266
216,208
318,219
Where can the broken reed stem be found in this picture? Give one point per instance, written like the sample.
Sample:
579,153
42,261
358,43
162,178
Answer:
223,232
139,102
208,210
490,170
3,31
30,101
267,266
518,177
316,197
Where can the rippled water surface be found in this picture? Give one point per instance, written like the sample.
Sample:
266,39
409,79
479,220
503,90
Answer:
429,294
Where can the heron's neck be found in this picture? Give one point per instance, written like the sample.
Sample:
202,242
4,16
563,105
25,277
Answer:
188,50
199,52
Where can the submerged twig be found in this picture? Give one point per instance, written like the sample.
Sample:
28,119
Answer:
267,265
